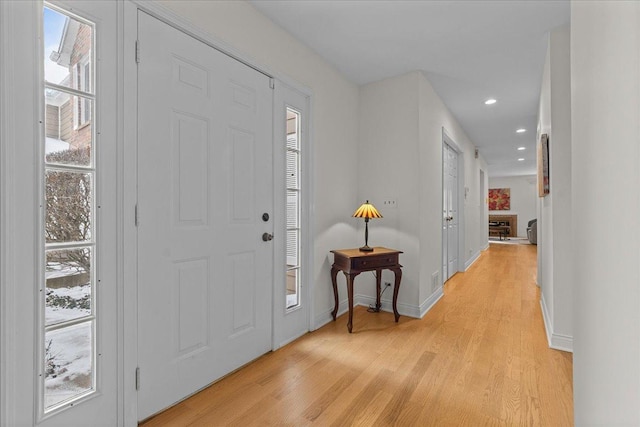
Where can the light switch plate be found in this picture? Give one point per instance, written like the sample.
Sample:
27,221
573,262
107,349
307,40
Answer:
389,203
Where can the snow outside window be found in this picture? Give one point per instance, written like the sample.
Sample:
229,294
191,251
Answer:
67,297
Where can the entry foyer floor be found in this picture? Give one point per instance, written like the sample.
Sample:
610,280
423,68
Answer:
479,357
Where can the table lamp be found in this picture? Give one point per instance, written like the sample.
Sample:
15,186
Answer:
366,211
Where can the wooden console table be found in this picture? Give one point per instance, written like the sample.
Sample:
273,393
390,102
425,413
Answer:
501,231
353,262
510,221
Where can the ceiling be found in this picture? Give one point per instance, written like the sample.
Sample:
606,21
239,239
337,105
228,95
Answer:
470,51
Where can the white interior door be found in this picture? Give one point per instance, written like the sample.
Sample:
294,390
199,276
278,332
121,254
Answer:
449,212
205,178
484,224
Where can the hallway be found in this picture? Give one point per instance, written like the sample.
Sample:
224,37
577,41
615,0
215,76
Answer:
479,357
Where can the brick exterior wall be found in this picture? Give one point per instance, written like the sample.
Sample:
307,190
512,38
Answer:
60,122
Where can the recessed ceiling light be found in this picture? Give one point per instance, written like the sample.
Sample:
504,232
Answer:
521,159
521,130
490,101
522,148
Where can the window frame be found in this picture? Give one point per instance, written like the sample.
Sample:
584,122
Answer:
298,268
77,96
82,104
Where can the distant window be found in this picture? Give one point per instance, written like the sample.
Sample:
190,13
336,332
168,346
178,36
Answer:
82,79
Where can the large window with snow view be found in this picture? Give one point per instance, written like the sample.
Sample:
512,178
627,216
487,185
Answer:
68,287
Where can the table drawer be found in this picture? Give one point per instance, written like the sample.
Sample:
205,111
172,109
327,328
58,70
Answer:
375,262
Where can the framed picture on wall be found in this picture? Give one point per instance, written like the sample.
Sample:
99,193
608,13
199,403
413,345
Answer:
543,166
499,199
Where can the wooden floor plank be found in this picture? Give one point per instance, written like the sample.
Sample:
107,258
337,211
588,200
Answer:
478,358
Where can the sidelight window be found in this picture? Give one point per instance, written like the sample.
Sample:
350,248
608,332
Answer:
68,232
293,158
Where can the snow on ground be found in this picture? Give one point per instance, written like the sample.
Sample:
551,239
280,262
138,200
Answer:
56,313
56,269
53,145
71,348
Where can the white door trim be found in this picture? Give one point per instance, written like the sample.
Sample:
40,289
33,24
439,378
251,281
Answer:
168,16
21,109
446,139
8,125
281,101
484,222
129,248
4,136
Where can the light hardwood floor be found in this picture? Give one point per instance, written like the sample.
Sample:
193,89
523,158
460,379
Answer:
479,357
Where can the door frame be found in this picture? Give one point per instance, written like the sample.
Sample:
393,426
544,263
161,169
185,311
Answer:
19,214
129,248
484,222
21,109
281,102
448,140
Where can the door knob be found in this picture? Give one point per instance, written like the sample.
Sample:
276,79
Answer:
267,236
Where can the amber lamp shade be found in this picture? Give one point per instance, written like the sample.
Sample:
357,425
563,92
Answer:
366,211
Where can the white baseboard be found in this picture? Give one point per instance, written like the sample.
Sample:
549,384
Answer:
486,246
387,305
545,318
431,301
326,317
555,341
561,342
471,260
407,310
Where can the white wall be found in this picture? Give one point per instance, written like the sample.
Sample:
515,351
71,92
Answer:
398,153
334,121
401,125
545,218
434,117
390,169
560,176
554,224
524,198
605,101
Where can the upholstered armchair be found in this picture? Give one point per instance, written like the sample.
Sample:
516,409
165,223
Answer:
532,231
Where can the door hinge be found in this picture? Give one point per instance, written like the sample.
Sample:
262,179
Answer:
272,83
135,216
138,378
137,51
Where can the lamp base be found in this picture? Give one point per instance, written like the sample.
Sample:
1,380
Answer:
366,249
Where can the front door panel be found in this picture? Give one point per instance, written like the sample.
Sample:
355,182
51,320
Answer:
204,181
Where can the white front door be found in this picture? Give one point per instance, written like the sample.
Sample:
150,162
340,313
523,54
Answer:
449,212
205,179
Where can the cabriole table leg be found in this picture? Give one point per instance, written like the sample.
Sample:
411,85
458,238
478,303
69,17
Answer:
334,274
398,275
